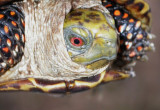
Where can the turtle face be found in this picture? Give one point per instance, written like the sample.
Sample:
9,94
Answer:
91,40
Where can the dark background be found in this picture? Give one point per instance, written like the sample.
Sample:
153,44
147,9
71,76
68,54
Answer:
139,93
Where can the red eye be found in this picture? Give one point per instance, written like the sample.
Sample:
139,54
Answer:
76,41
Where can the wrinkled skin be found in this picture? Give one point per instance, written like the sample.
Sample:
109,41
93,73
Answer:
65,53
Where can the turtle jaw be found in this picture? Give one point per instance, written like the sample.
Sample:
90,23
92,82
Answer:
98,56
97,64
94,64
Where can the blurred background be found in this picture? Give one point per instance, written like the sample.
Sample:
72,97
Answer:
139,93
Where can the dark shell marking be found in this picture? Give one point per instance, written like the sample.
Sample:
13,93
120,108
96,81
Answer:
131,32
61,87
133,39
49,86
12,38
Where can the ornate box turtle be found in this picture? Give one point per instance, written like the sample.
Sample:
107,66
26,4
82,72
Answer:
67,46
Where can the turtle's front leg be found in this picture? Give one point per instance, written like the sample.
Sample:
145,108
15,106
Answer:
12,38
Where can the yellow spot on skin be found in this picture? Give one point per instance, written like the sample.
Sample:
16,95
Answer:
121,28
132,54
138,24
139,36
1,16
23,23
6,29
9,42
125,16
12,13
129,36
109,5
5,49
117,13
70,53
128,45
17,36
14,23
10,61
139,48
23,38
131,20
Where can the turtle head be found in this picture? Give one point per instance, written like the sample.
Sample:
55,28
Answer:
91,39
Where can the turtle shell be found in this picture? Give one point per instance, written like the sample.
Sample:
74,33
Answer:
45,65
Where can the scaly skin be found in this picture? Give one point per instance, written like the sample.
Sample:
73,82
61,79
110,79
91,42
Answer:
93,30
62,86
133,29
12,38
138,9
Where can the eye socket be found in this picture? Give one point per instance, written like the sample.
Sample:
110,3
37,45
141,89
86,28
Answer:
77,41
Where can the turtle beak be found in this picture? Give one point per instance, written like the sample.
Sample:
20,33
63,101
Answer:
102,51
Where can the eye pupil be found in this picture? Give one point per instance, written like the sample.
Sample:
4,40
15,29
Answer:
76,41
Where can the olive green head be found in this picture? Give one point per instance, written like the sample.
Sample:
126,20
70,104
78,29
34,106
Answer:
91,39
